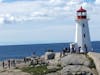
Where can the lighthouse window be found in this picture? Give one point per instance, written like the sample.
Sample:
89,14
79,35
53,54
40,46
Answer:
84,35
79,14
83,25
84,13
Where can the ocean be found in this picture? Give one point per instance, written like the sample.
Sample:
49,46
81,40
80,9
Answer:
21,51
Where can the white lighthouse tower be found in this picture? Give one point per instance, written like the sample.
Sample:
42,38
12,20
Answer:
82,38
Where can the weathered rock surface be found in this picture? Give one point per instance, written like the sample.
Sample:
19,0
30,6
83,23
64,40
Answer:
54,74
76,69
75,59
96,59
13,72
75,64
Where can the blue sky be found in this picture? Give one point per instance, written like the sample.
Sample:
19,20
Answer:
44,21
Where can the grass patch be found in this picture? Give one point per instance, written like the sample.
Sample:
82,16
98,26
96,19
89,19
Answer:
39,70
3,71
92,64
16,68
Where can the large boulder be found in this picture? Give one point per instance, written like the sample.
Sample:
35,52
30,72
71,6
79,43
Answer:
76,70
49,55
75,59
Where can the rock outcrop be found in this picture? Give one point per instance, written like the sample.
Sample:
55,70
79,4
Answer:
75,59
96,59
75,64
76,69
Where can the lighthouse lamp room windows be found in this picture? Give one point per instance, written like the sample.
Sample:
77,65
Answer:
83,13
79,13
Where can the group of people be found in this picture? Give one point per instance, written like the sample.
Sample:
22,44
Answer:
9,64
70,50
34,61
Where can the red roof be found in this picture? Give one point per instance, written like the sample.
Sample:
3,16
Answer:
81,10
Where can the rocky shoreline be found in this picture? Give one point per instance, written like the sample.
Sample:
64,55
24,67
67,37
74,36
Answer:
96,58
67,64
76,64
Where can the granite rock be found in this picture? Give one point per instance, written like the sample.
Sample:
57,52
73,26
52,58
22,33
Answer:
75,59
76,69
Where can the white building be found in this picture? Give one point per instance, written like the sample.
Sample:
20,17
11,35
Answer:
82,38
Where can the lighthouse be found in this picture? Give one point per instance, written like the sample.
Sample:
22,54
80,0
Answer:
82,37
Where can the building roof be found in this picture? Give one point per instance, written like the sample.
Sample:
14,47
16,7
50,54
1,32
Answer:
81,10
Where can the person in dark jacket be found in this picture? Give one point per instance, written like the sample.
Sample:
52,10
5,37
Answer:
3,64
9,63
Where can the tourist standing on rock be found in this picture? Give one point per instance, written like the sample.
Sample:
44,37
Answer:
3,64
9,63
14,63
79,49
24,60
32,62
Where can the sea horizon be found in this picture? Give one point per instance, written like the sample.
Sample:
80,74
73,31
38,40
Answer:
25,50
37,43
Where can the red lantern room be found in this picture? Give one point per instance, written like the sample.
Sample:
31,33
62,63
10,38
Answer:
81,13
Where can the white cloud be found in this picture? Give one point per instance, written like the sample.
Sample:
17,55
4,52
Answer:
48,9
49,18
97,2
1,0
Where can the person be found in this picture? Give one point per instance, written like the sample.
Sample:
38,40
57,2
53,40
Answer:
79,49
63,52
32,62
14,64
24,59
73,50
86,48
9,63
69,50
3,64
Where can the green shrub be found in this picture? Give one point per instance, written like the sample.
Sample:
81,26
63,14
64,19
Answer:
59,65
39,70
92,64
